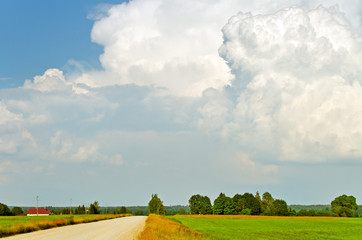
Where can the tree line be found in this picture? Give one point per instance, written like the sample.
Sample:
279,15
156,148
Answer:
248,204
94,208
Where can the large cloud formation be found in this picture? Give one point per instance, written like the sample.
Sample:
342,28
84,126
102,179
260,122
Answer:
194,83
298,83
169,45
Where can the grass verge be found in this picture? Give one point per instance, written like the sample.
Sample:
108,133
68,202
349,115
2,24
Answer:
161,228
14,225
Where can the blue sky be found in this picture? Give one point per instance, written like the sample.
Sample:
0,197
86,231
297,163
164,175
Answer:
36,31
114,101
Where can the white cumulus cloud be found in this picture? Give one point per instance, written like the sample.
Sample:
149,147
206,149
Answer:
52,79
297,81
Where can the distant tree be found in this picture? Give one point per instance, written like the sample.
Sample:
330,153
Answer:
292,212
239,203
252,203
229,207
156,206
16,211
182,211
280,207
94,208
257,197
344,206
200,204
79,210
267,204
246,211
247,200
4,210
124,210
65,211
224,205
139,213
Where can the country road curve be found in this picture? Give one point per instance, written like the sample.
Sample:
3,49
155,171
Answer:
126,228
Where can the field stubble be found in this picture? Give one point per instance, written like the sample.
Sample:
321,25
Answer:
161,228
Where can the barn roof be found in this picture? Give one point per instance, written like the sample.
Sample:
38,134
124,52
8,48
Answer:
40,211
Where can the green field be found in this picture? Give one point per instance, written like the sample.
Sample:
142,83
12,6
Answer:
275,228
6,221
22,224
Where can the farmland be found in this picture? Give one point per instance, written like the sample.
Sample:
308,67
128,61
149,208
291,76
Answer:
21,224
259,227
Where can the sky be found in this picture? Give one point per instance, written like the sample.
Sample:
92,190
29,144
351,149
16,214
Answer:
113,101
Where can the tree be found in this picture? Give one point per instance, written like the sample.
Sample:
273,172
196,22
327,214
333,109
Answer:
239,203
280,207
257,197
344,206
17,211
200,204
79,210
124,210
4,210
224,205
247,200
94,208
155,205
267,204
181,211
252,203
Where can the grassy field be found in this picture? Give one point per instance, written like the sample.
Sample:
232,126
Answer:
274,227
21,224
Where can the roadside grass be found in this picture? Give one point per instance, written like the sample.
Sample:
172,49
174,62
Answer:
24,224
161,228
254,227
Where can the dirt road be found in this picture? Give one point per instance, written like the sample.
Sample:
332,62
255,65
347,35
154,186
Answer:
126,228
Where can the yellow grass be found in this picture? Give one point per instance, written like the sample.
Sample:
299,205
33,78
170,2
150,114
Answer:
31,226
161,228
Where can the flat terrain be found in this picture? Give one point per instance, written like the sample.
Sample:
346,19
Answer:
126,228
274,227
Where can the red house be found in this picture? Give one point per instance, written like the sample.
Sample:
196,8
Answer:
39,212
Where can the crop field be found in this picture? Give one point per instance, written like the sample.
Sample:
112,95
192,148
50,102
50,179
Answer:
21,224
259,227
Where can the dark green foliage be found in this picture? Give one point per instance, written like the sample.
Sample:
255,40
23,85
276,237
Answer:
257,197
229,207
267,204
319,207
94,208
224,205
17,211
239,203
312,212
292,212
344,206
65,211
200,204
247,200
182,211
280,207
80,210
246,211
139,213
155,205
4,210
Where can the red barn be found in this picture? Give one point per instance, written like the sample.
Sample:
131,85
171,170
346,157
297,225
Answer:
40,212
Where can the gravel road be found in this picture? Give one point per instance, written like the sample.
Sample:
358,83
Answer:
126,228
